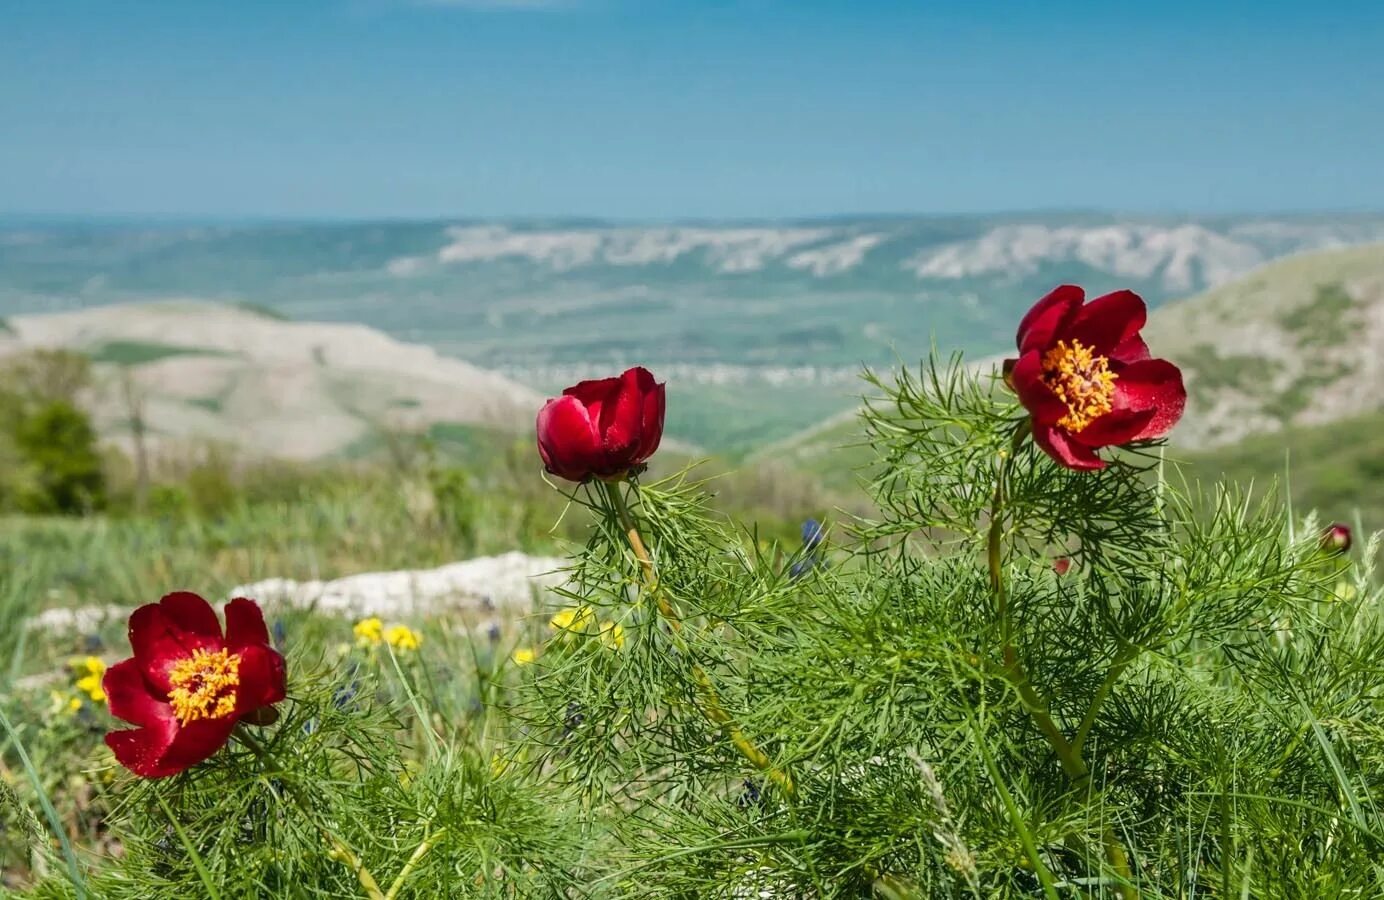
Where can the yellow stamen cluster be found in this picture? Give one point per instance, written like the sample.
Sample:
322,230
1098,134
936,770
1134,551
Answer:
1081,380
204,685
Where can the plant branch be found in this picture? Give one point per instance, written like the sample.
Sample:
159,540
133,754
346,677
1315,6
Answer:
422,850
1068,752
711,704
1117,668
340,850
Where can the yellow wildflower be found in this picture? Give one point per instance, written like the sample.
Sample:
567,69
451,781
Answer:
612,635
522,656
401,637
91,669
574,618
64,703
369,632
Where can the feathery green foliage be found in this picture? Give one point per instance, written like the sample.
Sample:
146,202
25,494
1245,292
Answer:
1191,706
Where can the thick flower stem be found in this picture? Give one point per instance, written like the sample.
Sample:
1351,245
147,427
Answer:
711,705
419,852
1117,668
1068,752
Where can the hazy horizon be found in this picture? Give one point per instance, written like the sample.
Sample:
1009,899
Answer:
577,219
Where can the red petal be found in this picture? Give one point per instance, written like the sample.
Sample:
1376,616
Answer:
1054,443
595,395
141,750
1026,375
130,697
567,439
191,613
1119,426
1108,321
245,624
163,633
262,679
1131,350
622,419
196,741
1040,325
1152,384
651,432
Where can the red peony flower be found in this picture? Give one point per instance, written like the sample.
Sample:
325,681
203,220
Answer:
1085,376
1337,538
187,686
603,428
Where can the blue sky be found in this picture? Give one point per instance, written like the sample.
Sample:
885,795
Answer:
654,109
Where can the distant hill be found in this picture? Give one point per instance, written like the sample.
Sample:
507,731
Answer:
759,327
300,390
1298,342
1336,469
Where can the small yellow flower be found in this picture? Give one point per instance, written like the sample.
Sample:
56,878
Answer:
401,637
522,656
91,686
498,764
91,669
574,618
64,704
369,632
612,635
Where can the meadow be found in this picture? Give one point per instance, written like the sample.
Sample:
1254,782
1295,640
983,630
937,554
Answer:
732,705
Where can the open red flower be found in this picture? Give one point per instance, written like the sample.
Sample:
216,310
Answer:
602,428
1085,376
188,685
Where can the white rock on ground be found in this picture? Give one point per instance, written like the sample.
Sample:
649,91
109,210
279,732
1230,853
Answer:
507,583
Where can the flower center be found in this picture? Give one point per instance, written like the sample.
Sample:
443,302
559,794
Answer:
1081,380
204,685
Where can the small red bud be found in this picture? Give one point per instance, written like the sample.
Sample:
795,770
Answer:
1336,538
1061,565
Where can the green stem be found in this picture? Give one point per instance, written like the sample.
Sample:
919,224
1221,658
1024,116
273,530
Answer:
340,850
711,705
1068,752
422,850
1015,817
1117,668
74,872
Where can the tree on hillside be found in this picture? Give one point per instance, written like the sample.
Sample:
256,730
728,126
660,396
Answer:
48,447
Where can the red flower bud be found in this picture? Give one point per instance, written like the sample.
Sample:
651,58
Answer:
1085,376
1062,565
187,685
1336,538
602,429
